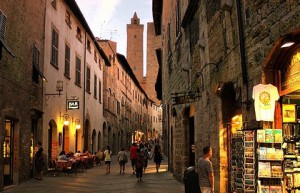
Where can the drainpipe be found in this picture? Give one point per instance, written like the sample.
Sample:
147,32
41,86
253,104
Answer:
83,105
242,52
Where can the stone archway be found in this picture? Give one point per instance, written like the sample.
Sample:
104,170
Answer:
105,135
99,141
52,140
87,136
94,145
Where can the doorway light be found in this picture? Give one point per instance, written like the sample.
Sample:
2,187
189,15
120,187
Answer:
287,44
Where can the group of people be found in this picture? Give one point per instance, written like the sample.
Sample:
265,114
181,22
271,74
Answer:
139,156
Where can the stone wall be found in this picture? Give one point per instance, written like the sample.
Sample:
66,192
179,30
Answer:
21,98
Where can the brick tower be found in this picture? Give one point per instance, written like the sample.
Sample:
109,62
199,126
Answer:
135,32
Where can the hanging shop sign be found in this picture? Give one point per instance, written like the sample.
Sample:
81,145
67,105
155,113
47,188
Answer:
183,98
73,105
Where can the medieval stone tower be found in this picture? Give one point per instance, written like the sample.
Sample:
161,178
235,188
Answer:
135,32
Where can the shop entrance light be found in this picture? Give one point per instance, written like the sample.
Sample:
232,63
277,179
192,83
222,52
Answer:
287,42
66,117
77,123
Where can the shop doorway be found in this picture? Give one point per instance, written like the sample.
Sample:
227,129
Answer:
32,144
94,147
52,140
66,139
191,142
86,136
8,152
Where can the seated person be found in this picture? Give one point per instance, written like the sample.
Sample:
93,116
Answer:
62,156
77,154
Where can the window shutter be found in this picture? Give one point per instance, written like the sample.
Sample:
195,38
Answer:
2,25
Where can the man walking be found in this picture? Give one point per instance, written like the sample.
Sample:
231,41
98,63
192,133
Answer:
205,171
133,155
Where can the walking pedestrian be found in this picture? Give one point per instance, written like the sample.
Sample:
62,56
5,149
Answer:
205,171
157,156
107,154
122,157
139,164
133,154
39,161
145,153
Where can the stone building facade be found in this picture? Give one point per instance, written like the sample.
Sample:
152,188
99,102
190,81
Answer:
21,87
125,101
75,62
214,53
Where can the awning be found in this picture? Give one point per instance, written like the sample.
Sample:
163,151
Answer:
2,44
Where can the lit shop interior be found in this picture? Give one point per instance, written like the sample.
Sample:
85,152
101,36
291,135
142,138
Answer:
266,159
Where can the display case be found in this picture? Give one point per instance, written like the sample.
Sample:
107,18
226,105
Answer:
249,173
236,166
270,160
291,146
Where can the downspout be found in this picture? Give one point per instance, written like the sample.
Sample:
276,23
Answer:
242,53
83,106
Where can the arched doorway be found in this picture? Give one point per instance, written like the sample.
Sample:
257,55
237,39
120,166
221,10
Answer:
105,133
66,139
109,136
52,140
114,143
87,134
94,145
8,152
99,140
122,139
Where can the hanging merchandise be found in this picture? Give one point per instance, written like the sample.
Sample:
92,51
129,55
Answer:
264,96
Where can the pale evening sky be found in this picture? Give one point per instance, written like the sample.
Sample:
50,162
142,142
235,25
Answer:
108,19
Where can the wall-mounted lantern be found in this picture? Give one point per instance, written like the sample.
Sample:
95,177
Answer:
77,123
66,117
59,88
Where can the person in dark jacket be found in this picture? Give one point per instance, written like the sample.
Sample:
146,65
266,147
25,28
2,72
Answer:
39,161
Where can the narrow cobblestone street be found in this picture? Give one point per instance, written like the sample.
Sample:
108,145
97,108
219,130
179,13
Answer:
95,180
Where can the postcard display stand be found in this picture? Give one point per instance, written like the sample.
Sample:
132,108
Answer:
236,174
270,160
291,146
249,161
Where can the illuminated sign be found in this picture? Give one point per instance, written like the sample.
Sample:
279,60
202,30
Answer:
73,105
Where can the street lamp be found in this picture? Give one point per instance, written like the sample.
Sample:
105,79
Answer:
77,123
59,88
66,117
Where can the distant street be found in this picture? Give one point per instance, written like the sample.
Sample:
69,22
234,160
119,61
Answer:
95,180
